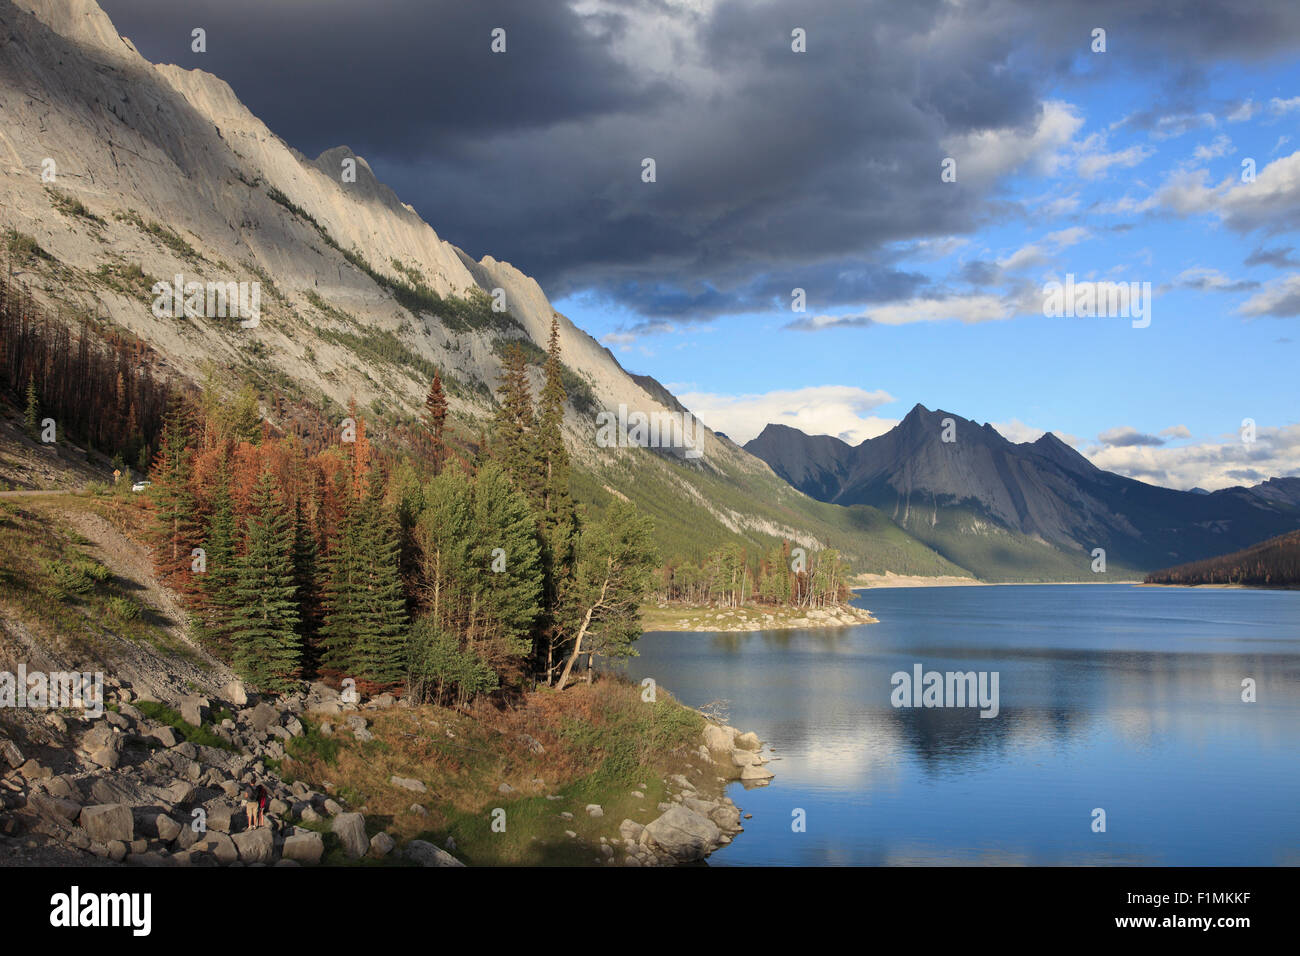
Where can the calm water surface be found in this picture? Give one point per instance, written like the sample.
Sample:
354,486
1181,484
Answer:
1115,697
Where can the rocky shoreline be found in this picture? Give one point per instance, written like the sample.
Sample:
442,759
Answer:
123,788
745,619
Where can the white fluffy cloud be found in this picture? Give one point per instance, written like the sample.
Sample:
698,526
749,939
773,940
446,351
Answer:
839,410
1209,465
987,154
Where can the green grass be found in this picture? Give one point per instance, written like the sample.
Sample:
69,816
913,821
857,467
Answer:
199,736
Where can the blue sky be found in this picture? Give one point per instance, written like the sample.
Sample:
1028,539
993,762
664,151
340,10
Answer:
1100,197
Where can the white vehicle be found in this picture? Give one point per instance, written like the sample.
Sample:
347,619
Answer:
141,485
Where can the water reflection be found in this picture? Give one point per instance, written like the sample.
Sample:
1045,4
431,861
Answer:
1109,696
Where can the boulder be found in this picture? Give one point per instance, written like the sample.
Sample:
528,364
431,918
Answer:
426,854
406,783
756,773
168,829
255,846
684,834
220,846
220,816
595,810
381,844
54,808
630,830
305,846
107,822
10,753
351,831
165,735
263,716
721,739
235,693
748,741
194,709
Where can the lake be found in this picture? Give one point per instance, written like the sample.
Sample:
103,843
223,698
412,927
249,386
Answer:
1113,697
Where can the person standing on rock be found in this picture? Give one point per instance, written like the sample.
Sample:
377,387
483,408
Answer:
263,798
251,806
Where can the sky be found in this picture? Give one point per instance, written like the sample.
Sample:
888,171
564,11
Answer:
1171,158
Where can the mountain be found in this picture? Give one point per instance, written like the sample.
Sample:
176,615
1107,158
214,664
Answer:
1274,563
120,174
1033,510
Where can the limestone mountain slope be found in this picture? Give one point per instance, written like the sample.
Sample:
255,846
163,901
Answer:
125,173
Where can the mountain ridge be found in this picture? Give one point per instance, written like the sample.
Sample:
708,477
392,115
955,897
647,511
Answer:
1043,493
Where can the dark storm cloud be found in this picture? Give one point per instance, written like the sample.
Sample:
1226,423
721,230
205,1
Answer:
774,170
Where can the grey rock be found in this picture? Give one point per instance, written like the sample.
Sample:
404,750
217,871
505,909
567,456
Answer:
351,831
684,834
406,783
168,829
107,822
194,709
426,854
381,844
255,846
263,716
305,846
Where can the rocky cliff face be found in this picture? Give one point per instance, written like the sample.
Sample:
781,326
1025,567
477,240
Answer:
128,173
1044,492
90,121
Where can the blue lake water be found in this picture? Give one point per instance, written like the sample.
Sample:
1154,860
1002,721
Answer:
1122,698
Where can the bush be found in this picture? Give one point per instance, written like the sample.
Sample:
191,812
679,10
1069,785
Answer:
124,609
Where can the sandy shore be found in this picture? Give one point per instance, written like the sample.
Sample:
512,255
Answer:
685,617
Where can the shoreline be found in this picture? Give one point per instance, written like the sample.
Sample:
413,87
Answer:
706,619
868,582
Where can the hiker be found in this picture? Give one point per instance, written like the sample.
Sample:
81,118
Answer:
263,798
251,806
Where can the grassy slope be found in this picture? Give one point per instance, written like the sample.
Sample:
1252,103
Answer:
757,506
996,554
602,743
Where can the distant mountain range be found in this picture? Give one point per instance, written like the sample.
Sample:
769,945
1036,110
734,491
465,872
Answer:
1023,511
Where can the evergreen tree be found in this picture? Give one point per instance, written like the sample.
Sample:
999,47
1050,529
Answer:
364,634
515,424
220,545
435,417
558,519
381,641
175,512
267,648
305,571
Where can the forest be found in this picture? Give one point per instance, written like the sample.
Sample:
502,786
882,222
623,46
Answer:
433,564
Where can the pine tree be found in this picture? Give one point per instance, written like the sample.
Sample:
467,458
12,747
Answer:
267,648
305,572
435,417
175,513
558,519
342,594
515,424
381,644
220,545
364,634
